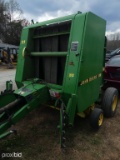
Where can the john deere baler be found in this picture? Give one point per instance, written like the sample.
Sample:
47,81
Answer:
60,64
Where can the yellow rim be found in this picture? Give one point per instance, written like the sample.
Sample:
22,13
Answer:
114,104
100,121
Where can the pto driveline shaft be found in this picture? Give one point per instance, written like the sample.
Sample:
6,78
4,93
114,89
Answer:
10,105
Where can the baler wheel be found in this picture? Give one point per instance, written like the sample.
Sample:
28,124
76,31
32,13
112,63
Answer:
110,101
96,118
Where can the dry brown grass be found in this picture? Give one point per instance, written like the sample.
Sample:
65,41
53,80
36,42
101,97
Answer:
38,138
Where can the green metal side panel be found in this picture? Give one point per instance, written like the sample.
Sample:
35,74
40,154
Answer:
25,65
91,66
71,74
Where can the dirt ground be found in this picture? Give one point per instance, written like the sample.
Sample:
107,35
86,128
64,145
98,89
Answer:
5,75
38,138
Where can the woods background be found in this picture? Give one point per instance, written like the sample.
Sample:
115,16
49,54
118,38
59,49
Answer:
12,22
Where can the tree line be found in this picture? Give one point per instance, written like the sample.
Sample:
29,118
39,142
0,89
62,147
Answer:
113,41
11,22
113,44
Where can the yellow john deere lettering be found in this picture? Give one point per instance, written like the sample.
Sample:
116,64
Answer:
99,75
91,79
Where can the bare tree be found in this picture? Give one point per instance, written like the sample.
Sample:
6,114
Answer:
13,10
3,18
11,22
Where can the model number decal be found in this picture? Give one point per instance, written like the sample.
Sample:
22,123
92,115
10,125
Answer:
23,42
71,74
74,46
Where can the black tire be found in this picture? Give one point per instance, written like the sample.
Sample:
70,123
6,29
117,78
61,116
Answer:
110,101
96,118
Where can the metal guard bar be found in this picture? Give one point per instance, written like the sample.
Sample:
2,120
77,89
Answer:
48,53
